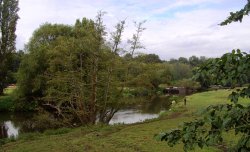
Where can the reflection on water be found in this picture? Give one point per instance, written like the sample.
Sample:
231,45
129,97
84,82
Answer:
128,116
155,105
12,124
7,129
138,113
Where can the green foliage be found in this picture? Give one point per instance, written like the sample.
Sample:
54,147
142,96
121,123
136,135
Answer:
148,58
238,15
188,83
15,59
30,77
40,122
193,61
180,71
149,76
153,75
72,73
183,60
6,101
231,67
203,76
229,70
8,17
136,92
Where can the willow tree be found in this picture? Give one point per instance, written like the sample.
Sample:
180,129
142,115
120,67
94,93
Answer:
8,21
82,81
31,81
72,72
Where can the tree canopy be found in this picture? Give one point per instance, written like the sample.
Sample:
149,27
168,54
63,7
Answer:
72,72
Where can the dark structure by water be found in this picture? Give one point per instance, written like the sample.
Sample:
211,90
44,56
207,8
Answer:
178,91
3,131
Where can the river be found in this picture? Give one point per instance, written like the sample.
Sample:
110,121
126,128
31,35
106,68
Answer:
11,123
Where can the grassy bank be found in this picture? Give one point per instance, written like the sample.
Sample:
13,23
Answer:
6,101
119,138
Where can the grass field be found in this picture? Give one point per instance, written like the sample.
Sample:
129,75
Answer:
120,138
6,101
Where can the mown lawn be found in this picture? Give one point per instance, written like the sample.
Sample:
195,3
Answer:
120,138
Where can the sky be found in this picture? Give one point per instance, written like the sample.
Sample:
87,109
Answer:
174,28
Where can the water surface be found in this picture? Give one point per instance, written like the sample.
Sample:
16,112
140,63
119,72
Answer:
12,124
149,109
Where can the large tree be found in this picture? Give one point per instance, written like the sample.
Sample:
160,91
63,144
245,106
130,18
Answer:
8,21
30,77
72,72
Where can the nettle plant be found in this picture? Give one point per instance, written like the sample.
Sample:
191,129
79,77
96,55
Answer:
231,69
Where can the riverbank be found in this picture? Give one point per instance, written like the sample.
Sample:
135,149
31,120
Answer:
119,138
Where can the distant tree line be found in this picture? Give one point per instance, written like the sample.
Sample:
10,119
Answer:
194,61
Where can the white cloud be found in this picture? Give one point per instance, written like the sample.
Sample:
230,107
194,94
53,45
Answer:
197,33
184,33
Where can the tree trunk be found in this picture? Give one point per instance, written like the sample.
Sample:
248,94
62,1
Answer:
106,94
1,89
94,92
106,116
3,131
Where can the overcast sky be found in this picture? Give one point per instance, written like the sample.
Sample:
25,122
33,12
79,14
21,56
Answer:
174,27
